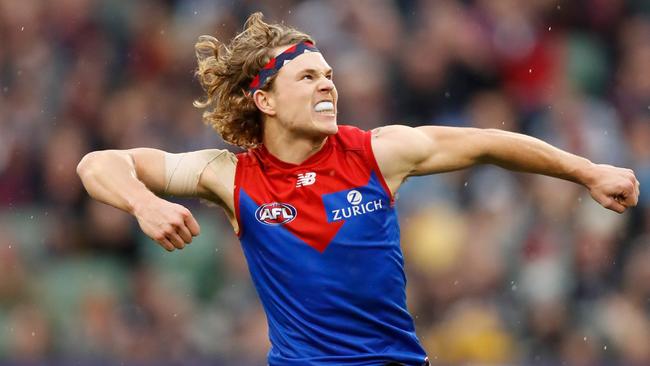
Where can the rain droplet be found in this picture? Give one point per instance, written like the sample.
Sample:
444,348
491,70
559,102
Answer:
549,28
513,287
530,71
175,315
605,133
9,246
465,184
6,89
558,7
455,282
447,94
22,28
605,348
585,338
162,32
33,334
196,12
31,217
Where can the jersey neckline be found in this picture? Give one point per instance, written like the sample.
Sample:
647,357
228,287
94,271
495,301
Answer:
267,156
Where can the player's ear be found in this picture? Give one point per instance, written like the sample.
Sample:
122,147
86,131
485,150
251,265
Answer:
264,102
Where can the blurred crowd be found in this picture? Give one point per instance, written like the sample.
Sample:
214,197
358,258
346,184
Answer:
503,268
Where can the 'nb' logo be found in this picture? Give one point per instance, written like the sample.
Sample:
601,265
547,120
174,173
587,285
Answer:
306,179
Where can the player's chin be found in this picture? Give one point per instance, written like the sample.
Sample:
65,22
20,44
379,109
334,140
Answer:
326,123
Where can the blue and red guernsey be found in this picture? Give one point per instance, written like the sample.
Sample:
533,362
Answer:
322,243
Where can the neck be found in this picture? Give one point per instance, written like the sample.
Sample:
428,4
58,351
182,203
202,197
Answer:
289,147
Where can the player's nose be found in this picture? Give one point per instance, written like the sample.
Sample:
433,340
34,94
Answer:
325,85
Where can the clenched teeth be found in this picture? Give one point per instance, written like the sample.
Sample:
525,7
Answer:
324,106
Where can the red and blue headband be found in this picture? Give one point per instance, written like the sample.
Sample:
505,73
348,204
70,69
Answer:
275,64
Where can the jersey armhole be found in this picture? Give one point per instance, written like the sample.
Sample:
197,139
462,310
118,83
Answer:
374,166
238,173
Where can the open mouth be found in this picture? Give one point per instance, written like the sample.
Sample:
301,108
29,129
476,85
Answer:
324,107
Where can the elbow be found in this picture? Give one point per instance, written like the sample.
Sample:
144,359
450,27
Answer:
83,166
87,164
98,161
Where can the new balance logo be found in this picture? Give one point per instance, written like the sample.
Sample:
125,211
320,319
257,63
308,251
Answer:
306,179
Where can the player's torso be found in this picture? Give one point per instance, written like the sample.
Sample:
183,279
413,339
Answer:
322,243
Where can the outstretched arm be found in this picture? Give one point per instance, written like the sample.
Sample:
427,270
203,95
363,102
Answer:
130,179
403,151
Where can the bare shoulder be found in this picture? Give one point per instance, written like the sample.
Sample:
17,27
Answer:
390,130
398,149
397,138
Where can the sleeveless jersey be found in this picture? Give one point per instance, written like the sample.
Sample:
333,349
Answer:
322,243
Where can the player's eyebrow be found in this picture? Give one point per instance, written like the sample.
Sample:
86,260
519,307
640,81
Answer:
327,71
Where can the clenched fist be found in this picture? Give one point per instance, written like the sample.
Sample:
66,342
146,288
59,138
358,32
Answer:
614,188
168,223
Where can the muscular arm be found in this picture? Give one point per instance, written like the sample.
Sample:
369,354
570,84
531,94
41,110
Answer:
130,179
111,176
403,151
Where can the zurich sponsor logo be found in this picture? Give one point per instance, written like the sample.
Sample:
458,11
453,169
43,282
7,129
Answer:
275,213
354,197
357,206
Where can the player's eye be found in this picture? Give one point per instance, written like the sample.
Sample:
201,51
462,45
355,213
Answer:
307,77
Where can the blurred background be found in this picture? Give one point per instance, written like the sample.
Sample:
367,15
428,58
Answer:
503,268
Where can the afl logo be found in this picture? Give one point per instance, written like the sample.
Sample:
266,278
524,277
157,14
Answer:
275,213
354,197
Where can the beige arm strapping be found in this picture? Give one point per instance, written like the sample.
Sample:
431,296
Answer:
183,171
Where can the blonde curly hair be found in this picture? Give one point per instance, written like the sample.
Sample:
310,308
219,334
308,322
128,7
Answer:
225,72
